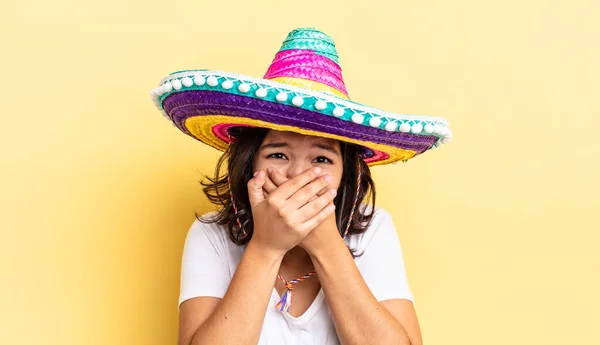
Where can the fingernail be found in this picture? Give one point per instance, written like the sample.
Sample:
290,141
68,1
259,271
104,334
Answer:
331,207
333,192
270,170
328,178
256,173
317,170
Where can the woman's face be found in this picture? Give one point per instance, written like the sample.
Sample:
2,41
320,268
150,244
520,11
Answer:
291,154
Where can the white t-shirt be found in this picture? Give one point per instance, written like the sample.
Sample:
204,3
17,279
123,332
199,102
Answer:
210,260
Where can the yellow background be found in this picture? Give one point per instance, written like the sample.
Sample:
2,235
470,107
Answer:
500,228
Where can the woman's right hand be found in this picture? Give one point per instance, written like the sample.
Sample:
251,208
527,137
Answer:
283,218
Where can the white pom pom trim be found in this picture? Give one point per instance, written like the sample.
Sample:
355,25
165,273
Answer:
212,81
405,127
320,105
281,97
176,84
375,122
187,81
358,118
416,128
261,93
244,88
338,112
297,101
167,87
391,126
199,80
227,84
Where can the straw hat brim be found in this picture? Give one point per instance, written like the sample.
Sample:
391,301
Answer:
205,104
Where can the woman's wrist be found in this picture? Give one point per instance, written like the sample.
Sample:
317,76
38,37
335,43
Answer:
326,247
264,253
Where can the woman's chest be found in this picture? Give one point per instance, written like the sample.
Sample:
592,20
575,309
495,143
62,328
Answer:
314,326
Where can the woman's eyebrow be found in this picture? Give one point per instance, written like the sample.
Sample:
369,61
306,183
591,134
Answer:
326,147
274,145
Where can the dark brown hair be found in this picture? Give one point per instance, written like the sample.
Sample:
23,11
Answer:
235,165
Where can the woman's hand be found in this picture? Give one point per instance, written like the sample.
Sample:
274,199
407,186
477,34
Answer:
286,216
324,233
275,179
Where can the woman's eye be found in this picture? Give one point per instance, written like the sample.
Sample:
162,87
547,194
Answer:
323,159
277,156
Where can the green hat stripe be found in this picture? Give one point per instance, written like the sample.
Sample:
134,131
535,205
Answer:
311,39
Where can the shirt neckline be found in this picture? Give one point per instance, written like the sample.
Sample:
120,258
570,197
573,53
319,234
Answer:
314,307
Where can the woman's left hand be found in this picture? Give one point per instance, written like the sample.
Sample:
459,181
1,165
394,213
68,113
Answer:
321,236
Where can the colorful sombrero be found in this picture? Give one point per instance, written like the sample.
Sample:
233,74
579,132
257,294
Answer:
303,91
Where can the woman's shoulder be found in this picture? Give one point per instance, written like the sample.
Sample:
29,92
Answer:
381,223
380,215
206,226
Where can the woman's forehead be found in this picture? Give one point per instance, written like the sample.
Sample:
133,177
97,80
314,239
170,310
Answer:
291,137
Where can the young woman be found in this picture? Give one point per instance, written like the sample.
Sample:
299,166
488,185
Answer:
296,254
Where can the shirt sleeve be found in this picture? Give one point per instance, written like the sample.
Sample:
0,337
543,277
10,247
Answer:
204,266
382,263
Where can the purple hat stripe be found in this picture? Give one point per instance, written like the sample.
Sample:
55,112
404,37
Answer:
183,105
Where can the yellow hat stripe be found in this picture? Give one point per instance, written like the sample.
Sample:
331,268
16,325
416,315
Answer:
309,84
201,127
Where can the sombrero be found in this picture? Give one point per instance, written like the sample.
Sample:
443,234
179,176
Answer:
303,91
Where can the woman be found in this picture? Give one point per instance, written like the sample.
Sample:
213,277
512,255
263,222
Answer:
295,254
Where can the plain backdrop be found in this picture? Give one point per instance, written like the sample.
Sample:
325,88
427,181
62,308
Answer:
500,228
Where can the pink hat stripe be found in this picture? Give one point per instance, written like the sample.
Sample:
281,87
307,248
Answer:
307,58
310,66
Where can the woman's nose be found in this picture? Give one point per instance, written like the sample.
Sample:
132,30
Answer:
297,168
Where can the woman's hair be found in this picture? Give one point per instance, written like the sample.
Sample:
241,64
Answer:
234,169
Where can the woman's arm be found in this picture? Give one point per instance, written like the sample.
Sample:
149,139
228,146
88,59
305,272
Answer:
238,317
359,318
281,220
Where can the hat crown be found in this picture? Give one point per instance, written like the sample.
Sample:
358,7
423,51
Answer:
311,39
308,58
